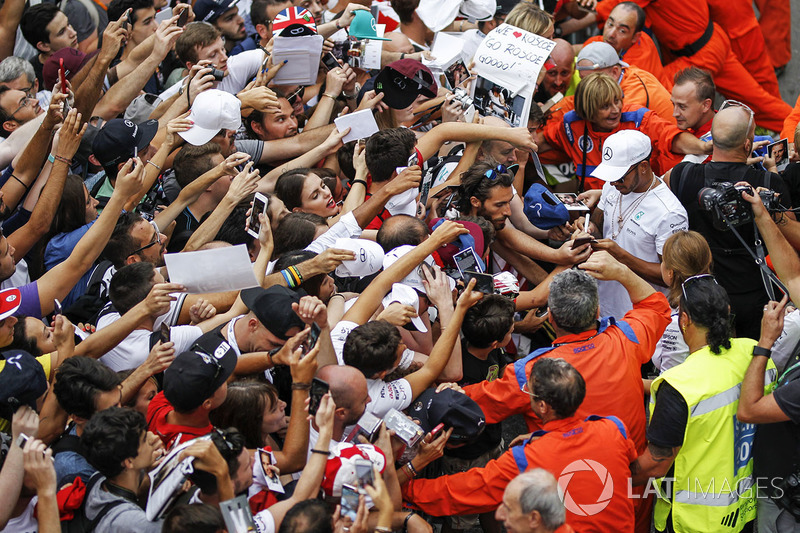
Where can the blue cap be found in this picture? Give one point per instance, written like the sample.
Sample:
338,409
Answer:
543,209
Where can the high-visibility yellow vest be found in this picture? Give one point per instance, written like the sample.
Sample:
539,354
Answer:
712,485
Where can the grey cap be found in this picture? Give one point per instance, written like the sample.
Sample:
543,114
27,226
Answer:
601,54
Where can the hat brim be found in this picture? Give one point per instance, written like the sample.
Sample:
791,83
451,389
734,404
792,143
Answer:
369,37
609,173
198,136
147,131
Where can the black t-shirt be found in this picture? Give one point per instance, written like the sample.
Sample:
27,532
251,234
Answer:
732,263
670,416
776,448
476,370
791,175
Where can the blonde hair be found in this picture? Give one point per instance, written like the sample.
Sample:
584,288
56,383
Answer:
527,16
594,92
687,254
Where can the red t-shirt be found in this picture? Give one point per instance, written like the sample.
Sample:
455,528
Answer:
170,434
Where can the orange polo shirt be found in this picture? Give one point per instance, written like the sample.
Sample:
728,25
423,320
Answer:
643,54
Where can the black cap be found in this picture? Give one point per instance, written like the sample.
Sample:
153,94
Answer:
273,308
504,7
195,376
114,143
402,81
453,409
22,381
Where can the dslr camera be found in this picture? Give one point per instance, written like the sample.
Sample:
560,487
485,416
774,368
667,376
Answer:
727,206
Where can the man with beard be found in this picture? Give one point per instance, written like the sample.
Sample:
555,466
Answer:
225,17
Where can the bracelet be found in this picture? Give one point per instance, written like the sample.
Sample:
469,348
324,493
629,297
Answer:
301,386
158,167
354,94
362,182
294,270
337,294
51,159
314,450
21,182
405,522
412,469
384,529
758,351
329,96
62,159
269,360
290,281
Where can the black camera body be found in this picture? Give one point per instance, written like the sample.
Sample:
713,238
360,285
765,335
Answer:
727,206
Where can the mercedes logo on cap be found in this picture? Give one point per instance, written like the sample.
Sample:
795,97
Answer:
608,153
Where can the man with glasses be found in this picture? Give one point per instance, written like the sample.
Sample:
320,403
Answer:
16,108
637,213
554,391
732,131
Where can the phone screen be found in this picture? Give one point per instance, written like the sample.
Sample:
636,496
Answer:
330,62
312,338
57,310
183,18
318,389
164,333
484,283
349,502
259,206
364,472
467,260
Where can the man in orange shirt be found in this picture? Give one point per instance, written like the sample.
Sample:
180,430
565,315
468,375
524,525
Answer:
739,21
639,87
623,30
693,101
567,443
609,353
689,37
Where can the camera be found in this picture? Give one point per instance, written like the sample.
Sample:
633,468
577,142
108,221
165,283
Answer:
460,95
404,429
218,74
727,207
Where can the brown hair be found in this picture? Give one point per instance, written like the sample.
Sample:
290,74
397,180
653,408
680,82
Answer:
593,93
687,254
195,35
243,409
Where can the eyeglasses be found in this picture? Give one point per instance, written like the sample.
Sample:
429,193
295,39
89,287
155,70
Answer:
527,389
735,103
156,239
297,94
694,279
494,173
23,103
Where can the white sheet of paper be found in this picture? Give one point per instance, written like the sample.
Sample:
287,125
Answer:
303,54
361,123
372,52
511,57
446,49
215,270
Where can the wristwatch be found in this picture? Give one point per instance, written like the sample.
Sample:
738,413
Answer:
354,94
763,352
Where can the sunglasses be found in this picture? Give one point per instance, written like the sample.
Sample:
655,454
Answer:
156,239
292,98
735,103
526,389
494,173
694,279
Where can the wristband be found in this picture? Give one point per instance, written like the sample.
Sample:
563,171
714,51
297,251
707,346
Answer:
62,159
314,450
329,96
758,351
405,522
301,386
51,159
158,167
413,470
293,269
362,182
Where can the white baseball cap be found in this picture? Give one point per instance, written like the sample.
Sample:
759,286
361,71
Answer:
601,54
369,257
621,151
414,279
212,111
405,295
404,203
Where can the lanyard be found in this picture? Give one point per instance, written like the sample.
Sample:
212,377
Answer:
232,336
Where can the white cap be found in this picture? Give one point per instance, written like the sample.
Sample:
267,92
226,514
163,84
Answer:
414,279
405,295
621,151
404,203
212,111
369,257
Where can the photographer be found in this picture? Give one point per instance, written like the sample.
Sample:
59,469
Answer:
732,130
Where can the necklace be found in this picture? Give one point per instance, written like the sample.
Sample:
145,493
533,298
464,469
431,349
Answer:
622,218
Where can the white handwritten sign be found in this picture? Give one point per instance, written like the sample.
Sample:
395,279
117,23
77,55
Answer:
512,57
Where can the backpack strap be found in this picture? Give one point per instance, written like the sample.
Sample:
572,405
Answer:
617,422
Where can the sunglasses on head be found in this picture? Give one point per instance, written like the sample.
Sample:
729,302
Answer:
692,280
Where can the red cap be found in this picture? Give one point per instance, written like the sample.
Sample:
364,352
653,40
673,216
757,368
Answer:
9,302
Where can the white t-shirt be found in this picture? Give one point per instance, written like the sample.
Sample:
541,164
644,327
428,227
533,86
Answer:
790,336
646,228
24,523
671,349
241,69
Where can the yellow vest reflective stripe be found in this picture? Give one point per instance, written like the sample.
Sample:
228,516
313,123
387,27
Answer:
711,490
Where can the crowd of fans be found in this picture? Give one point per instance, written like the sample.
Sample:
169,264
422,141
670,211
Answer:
617,269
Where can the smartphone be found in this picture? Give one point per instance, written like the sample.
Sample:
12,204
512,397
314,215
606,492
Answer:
218,74
580,241
349,502
22,440
413,160
164,14
164,333
313,337
368,425
259,206
364,472
467,260
57,310
542,312
62,75
330,62
435,431
128,22
183,18
484,282
318,389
